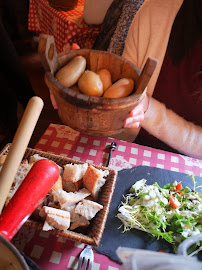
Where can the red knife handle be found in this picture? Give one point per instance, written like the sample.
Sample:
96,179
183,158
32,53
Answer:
41,177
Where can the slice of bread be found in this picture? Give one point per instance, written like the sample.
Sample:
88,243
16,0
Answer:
88,209
57,218
67,199
56,211
19,177
94,179
58,222
74,172
72,187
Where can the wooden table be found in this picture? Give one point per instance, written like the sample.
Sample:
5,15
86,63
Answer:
66,27
55,253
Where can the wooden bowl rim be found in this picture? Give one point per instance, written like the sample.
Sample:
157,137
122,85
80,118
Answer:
91,99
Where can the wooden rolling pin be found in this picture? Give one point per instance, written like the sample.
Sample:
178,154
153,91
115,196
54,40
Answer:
18,146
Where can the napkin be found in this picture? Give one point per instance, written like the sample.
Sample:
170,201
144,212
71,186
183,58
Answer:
113,236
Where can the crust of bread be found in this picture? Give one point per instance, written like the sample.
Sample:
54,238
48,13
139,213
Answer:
94,179
78,221
58,184
72,187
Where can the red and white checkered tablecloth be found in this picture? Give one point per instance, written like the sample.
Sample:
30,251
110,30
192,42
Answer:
62,140
53,253
67,27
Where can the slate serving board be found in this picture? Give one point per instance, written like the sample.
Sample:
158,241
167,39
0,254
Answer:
113,237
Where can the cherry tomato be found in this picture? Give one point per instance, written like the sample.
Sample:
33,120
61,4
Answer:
174,201
178,186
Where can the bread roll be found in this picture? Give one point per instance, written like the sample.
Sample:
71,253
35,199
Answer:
121,88
71,72
105,77
90,84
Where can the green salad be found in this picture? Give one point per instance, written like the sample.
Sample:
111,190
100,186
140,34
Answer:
173,212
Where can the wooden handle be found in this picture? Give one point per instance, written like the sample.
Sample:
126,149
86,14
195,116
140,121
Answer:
146,75
18,147
48,53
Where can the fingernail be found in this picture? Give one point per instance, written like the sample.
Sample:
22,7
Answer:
132,113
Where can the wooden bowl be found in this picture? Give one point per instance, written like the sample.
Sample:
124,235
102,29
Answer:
90,114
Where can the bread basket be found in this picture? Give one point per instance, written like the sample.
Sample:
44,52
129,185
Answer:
90,114
93,234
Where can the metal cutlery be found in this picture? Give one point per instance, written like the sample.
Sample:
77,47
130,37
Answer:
112,147
86,258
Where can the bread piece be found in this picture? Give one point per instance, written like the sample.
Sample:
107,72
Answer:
67,199
55,211
57,218
58,222
19,177
72,187
58,184
37,157
94,179
88,209
24,161
78,221
37,212
70,209
74,172
47,227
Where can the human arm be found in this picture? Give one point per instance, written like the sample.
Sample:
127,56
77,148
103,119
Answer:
168,127
148,36
172,129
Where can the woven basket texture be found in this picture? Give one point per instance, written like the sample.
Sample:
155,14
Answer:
93,234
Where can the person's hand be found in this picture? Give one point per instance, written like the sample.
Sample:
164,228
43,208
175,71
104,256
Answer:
52,98
137,114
